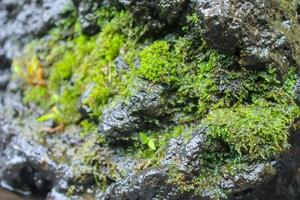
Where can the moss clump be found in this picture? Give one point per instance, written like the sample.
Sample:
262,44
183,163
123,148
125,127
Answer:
69,65
257,131
36,94
254,130
150,147
158,64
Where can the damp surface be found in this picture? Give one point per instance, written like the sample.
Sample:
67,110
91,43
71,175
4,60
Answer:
286,184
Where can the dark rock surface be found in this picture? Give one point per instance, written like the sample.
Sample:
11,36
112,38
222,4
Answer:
188,152
87,15
28,168
4,78
4,71
157,183
121,65
22,20
128,116
297,92
288,179
241,28
158,14
150,184
27,163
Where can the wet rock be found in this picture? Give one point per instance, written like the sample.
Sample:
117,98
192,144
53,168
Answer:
26,167
285,184
155,183
84,109
4,78
241,28
187,153
244,183
54,195
4,62
182,158
157,15
21,21
87,16
121,65
148,185
126,117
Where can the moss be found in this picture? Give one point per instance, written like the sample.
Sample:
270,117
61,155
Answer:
257,131
37,95
71,64
93,153
61,72
150,147
157,63
254,130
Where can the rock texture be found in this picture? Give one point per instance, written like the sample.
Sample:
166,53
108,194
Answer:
157,183
22,20
241,28
128,116
158,14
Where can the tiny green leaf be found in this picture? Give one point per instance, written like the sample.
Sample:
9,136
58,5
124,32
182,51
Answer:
144,138
151,144
46,117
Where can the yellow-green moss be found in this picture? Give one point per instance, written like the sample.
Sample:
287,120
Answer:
37,95
257,131
158,64
72,64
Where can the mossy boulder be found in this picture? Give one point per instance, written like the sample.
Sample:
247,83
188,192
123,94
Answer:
175,98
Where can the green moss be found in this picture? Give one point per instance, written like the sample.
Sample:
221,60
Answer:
150,147
61,72
158,64
37,95
71,64
257,131
254,130
93,153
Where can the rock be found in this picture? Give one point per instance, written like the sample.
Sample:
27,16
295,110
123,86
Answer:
155,183
121,65
26,167
5,63
84,109
88,16
126,117
187,153
22,20
241,28
147,185
157,15
54,195
182,158
4,78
